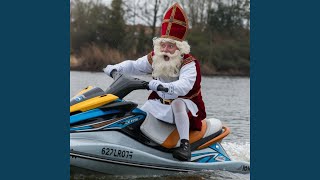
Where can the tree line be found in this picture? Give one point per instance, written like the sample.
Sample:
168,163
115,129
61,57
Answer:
101,34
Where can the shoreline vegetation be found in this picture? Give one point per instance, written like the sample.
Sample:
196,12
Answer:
219,33
97,66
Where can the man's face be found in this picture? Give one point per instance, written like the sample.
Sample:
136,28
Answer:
167,59
168,47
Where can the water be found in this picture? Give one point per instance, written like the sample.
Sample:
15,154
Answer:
226,98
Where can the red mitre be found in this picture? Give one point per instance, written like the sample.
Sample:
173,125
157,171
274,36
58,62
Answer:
175,23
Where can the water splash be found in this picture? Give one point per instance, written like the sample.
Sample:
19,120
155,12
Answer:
237,151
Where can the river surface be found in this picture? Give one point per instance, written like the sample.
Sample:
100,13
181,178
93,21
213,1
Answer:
225,98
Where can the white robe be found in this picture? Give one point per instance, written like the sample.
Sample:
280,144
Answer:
179,86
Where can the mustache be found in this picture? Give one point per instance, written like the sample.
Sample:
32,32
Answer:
168,54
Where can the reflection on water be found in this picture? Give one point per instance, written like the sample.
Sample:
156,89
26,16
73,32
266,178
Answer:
226,98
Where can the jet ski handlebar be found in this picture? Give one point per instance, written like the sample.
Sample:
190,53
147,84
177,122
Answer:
162,88
115,75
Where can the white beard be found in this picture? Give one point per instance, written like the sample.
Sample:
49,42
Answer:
162,68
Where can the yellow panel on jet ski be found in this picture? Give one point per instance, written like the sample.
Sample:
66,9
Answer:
83,91
93,103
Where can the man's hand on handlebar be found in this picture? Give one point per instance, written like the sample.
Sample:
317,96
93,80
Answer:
155,85
114,73
111,71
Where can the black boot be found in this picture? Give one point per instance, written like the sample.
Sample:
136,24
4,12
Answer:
183,153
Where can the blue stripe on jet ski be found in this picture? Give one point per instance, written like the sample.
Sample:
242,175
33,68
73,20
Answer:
90,114
116,125
137,110
125,122
217,147
80,128
204,160
212,159
200,154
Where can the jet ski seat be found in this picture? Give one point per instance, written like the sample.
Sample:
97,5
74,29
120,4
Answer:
167,134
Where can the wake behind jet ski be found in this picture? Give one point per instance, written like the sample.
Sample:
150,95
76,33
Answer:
113,136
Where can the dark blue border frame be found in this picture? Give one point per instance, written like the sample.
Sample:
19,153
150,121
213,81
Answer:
284,89
34,89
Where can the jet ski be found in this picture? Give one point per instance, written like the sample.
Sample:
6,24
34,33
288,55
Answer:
111,135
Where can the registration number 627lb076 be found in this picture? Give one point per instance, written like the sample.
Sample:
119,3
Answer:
116,152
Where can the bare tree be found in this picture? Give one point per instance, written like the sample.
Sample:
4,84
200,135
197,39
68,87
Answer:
143,12
165,4
155,14
197,11
131,9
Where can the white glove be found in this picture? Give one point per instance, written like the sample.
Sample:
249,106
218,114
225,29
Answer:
109,68
153,84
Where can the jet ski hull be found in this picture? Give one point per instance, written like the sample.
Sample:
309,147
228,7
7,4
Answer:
112,152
